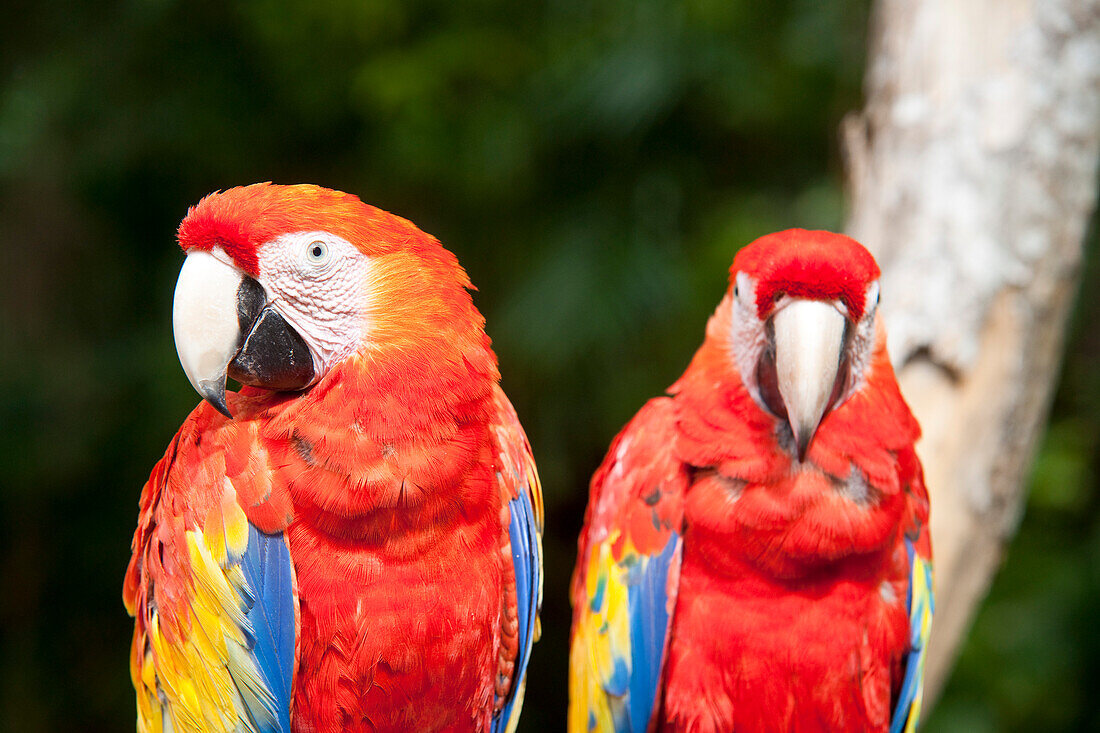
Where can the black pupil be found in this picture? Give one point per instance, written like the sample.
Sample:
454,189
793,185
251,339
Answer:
316,251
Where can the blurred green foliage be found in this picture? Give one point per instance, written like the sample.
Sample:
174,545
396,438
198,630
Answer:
593,164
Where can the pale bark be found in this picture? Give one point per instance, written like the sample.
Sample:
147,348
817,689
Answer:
972,174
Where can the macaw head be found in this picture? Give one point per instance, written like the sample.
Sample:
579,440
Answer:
282,283
803,315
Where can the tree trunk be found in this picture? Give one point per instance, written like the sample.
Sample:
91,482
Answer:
972,176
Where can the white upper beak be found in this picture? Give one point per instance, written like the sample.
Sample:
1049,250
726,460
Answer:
204,321
809,339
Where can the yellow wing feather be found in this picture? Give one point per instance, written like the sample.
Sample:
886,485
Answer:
206,680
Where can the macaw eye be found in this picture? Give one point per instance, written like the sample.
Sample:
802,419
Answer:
317,253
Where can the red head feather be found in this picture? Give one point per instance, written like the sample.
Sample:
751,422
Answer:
241,219
420,300
808,264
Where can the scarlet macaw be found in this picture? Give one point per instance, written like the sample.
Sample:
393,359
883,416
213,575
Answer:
352,542
755,555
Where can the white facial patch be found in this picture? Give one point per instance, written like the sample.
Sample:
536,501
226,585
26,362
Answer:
862,345
316,281
747,334
748,337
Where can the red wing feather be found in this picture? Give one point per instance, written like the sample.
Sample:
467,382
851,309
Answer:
625,584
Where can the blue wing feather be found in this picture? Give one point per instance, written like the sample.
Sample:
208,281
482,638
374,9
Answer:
523,532
921,605
649,620
626,581
267,568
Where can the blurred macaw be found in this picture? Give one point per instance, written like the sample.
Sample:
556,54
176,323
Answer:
755,555
352,542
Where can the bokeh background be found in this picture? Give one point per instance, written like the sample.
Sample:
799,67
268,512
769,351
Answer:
595,164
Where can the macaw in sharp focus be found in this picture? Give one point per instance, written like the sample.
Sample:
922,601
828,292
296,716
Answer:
352,542
755,555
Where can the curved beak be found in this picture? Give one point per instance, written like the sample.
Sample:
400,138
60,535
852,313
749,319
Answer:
204,322
223,326
809,344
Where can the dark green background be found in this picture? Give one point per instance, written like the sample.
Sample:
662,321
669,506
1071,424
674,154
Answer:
594,165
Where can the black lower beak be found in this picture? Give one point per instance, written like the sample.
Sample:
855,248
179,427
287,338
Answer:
270,353
273,355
